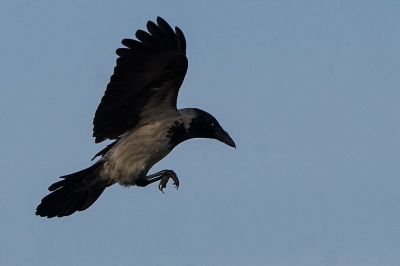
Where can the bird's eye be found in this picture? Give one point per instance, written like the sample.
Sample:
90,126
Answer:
212,124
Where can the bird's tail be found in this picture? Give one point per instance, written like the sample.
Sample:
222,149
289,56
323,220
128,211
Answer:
76,192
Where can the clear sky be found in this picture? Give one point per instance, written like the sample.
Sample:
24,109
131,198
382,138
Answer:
309,90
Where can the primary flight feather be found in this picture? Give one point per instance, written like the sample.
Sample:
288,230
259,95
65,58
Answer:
139,112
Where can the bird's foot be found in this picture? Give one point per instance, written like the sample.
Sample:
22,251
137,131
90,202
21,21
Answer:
166,175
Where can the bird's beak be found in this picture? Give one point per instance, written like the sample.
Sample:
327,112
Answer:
224,137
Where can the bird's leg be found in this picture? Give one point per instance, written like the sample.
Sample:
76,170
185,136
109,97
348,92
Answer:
162,176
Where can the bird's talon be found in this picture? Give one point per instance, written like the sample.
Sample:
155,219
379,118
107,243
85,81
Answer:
168,174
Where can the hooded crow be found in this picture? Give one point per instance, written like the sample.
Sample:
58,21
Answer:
138,111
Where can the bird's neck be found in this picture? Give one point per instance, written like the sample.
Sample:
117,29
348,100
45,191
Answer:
184,128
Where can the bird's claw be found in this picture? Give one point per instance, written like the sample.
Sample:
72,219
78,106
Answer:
168,174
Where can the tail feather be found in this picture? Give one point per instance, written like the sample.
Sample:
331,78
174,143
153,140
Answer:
76,192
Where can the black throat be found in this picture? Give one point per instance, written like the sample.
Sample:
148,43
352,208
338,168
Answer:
177,132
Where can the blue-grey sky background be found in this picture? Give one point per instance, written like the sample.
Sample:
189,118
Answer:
308,89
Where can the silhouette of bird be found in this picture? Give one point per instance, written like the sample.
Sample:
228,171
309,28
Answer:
138,111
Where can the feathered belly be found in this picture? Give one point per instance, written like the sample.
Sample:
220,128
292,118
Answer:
134,155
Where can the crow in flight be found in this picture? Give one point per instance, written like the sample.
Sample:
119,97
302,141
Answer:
138,111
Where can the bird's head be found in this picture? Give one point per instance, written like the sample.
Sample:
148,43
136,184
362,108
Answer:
204,125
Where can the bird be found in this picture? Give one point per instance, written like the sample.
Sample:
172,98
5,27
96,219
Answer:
138,113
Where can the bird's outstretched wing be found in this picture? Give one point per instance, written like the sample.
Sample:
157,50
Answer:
145,83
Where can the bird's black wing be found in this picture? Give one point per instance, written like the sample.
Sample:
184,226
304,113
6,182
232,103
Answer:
145,83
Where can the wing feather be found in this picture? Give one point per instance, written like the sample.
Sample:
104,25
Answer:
145,83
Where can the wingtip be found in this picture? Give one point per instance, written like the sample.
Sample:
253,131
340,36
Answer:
180,38
162,23
160,19
39,212
150,23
